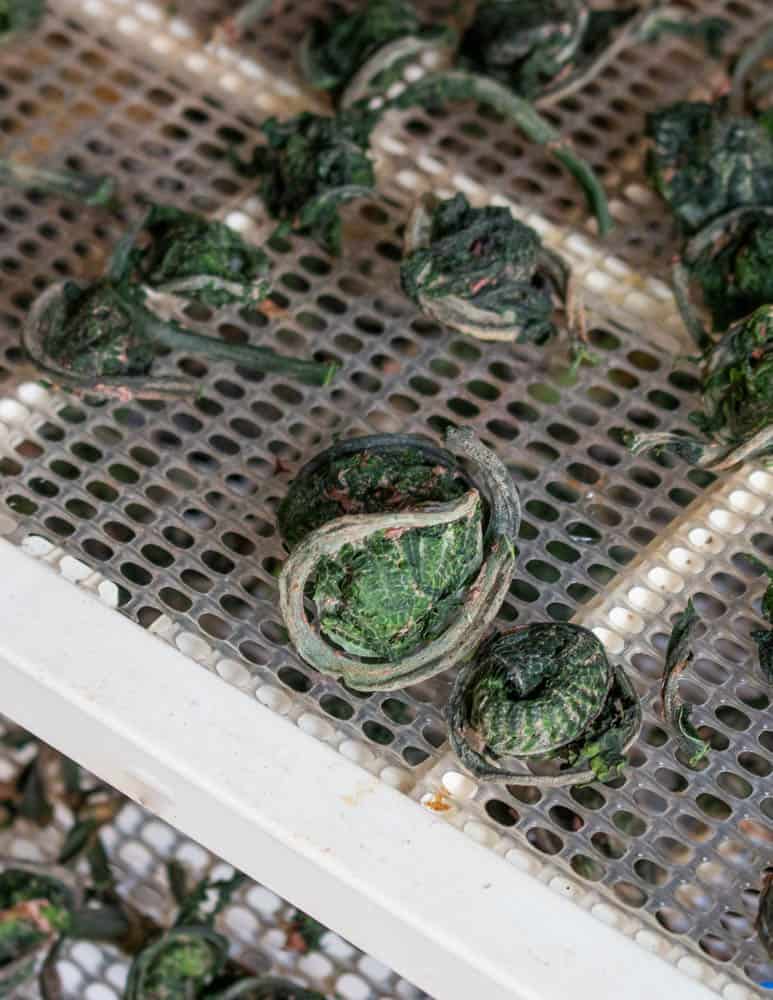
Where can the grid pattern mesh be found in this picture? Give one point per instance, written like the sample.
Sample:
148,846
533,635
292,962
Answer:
174,503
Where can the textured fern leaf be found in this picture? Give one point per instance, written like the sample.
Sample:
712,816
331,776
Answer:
200,259
385,594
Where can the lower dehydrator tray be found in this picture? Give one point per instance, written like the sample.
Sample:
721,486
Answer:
167,510
258,923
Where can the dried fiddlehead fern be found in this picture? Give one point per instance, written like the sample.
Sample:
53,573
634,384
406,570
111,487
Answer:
89,189
103,339
266,988
188,257
513,55
679,656
36,908
405,557
712,163
763,637
764,922
185,961
543,692
310,166
481,271
548,50
366,48
737,388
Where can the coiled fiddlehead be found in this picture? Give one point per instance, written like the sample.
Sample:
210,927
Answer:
737,388
37,903
481,271
267,988
543,692
406,558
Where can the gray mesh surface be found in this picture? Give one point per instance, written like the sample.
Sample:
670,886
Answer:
175,503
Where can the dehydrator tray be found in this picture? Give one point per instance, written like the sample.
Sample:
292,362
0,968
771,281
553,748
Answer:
258,923
167,511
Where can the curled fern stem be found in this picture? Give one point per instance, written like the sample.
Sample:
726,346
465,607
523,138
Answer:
389,56
457,85
753,54
232,29
89,189
74,373
679,656
714,238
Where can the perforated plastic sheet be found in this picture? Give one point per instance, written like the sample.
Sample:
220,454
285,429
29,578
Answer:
168,509
257,922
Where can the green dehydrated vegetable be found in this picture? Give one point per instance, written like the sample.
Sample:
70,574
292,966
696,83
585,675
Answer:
543,692
311,165
731,260
679,656
304,933
19,16
764,922
705,162
405,558
336,51
185,962
737,387
180,966
481,271
194,258
540,49
103,339
512,52
764,636
35,911
548,49
266,988
713,165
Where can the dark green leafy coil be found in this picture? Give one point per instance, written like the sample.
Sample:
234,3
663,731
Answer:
526,44
90,189
765,914
737,387
542,50
35,911
335,50
19,15
481,271
179,966
311,165
103,339
543,692
405,556
731,260
266,988
764,636
195,258
547,49
705,162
